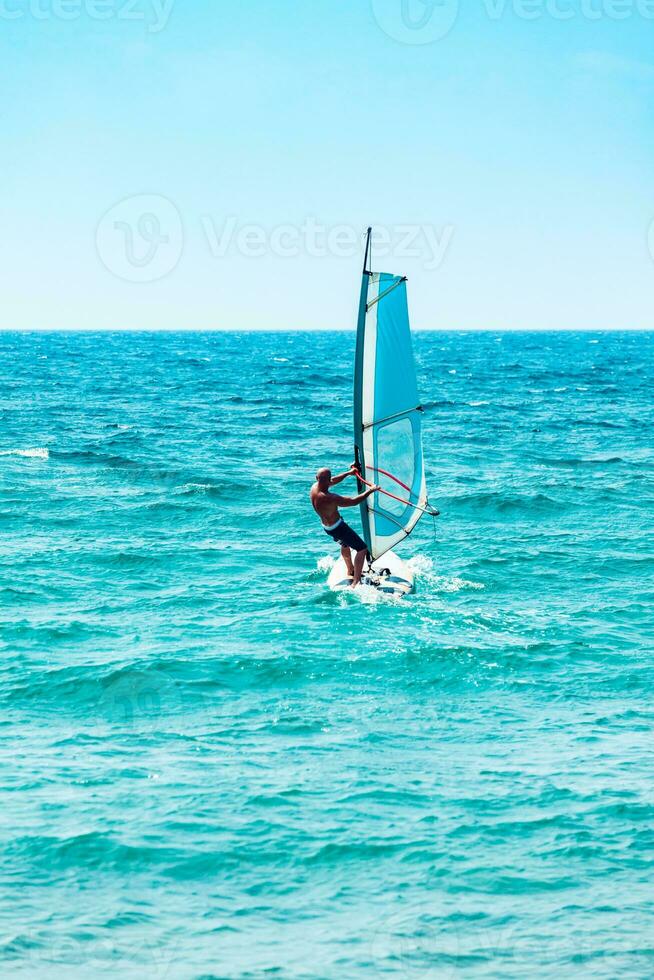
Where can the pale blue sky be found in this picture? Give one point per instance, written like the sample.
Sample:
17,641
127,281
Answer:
518,146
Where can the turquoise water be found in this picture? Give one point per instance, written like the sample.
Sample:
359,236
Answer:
215,767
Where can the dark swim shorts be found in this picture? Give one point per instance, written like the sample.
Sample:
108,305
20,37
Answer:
344,534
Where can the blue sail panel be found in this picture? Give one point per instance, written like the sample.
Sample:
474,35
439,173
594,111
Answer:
395,376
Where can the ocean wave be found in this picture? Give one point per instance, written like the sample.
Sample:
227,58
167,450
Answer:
442,583
88,851
93,457
137,697
423,568
187,482
575,461
504,503
439,403
19,631
354,851
596,423
193,361
41,452
203,489
16,594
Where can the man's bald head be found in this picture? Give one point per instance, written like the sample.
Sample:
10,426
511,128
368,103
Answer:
323,476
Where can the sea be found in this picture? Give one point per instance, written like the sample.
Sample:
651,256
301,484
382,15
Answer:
212,766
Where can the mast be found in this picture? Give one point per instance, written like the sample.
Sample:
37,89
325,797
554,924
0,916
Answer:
358,383
366,256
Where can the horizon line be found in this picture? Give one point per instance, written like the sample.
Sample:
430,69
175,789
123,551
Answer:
217,330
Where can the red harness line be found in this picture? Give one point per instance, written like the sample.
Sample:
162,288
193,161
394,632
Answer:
390,477
409,503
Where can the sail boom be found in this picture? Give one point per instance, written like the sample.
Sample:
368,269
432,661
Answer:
398,415
390,289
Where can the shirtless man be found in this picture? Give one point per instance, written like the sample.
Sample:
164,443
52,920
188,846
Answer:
326,506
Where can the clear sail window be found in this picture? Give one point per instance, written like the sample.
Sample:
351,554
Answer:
395,454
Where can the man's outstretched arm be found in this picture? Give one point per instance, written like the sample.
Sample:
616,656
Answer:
341,476
350,501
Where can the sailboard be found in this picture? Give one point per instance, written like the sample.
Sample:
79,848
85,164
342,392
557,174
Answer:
387,428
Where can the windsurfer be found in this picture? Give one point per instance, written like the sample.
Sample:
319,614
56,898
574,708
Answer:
326,506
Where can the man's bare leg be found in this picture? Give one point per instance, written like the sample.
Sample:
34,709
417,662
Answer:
347,558
359,559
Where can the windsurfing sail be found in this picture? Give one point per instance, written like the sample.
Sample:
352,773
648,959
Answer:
387,413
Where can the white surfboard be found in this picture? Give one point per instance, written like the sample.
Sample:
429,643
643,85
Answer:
388,574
